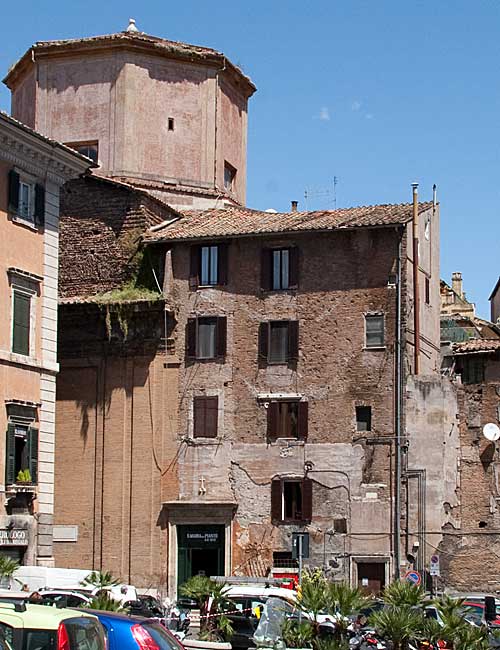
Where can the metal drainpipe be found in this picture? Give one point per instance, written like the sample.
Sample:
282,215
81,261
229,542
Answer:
398,409
416,301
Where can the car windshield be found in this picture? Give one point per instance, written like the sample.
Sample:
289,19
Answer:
163,639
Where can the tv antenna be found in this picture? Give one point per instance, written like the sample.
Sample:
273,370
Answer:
327,195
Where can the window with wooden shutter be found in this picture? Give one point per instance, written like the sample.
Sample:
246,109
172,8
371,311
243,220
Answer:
32,442
10,455
21,322
194,268
39,205
293,273
276,501
191,338
307,500
221,336
293,340
263,341
272,420
222,269
303,419
13,190
265,269
205,417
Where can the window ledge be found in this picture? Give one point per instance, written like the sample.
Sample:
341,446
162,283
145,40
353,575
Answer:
15,218
28,362
375,348
203,442
21,487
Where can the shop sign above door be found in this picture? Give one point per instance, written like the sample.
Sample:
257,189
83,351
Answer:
13,537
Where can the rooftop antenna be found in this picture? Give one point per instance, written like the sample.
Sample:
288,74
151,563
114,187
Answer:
322,193
335,182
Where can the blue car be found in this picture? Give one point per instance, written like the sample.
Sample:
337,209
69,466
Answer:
125,632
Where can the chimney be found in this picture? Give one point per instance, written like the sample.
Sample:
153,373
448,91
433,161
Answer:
294,206
456,284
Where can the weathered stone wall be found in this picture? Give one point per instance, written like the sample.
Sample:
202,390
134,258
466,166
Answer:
471,554
342,276
101,227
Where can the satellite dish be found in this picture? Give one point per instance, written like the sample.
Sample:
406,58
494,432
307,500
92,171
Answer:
491,432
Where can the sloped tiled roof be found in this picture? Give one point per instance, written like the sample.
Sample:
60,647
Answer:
477,345
163,46
236,221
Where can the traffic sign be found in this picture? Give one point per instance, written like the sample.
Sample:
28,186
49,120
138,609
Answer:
413,577
434,569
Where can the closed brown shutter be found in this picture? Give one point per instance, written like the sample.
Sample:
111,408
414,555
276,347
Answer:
191,338
276,501
265,269
194,268
303,417
13,191
263,341
293,340
222,269
212,416
272,419
221,336
307,494
293,269
39,205
205,417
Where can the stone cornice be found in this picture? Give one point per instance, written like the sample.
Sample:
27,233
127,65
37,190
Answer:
38,155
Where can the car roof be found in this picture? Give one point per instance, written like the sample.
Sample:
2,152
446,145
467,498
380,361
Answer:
116,616
247,590
37,616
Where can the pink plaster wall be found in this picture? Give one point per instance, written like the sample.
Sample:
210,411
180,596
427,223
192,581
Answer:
23,100
123,99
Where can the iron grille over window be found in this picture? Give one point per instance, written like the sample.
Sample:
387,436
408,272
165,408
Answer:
374,327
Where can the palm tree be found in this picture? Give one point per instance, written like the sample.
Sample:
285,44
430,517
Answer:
344,601
100,580
103,602
7,568
398,623
400,593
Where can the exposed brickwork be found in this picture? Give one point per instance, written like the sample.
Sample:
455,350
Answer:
101,227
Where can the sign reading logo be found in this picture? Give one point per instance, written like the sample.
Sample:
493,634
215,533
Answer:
13,537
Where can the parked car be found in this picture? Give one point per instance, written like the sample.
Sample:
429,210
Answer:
125,632
37,627
64,598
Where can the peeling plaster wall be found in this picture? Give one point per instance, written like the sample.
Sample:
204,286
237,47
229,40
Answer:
433,434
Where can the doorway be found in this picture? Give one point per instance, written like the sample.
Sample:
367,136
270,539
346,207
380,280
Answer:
371,576
200,551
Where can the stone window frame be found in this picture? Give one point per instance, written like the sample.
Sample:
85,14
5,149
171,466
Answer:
33,220
367,316
27,284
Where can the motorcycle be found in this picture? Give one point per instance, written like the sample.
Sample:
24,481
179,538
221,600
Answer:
178,621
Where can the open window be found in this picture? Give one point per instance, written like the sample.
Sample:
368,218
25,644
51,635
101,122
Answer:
279,268
363,418
206,337
208,266
89,149
287,419
291,501
279,341
21,445
229,177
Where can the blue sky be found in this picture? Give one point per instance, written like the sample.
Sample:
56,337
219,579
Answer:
377,94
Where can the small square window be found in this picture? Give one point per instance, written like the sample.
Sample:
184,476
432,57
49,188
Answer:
89,149
170,123
363,418
374,331
229,177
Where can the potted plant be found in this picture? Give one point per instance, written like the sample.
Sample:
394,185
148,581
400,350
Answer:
24,477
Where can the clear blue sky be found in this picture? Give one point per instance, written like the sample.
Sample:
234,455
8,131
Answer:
379,94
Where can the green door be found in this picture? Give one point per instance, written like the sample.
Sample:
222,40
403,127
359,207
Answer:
200,551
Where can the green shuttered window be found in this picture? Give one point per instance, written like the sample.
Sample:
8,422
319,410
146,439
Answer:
21,452
21,306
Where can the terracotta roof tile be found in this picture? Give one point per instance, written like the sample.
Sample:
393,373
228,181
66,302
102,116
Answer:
477,345
236,221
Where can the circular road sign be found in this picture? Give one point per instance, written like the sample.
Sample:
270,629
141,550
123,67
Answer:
414,577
